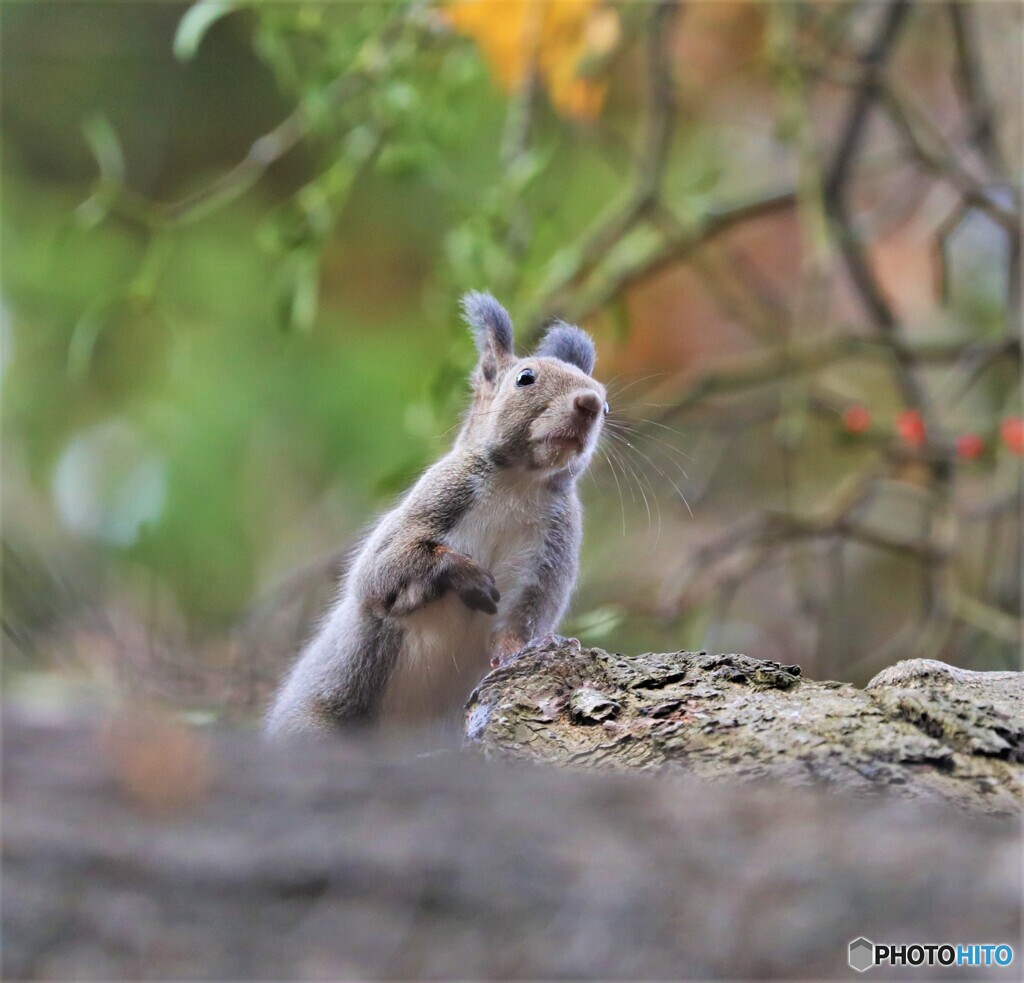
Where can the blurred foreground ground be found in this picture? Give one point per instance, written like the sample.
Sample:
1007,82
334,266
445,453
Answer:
186,856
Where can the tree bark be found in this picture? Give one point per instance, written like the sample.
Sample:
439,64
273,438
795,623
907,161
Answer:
921,729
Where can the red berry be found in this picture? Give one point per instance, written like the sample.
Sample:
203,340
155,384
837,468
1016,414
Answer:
1012,432
969,446
856,419
910,427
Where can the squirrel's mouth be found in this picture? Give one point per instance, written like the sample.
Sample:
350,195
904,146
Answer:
570,443
567,439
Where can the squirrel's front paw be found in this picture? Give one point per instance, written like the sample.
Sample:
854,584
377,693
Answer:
474,585
410,597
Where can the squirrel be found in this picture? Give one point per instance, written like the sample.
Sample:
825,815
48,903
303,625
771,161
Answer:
478,559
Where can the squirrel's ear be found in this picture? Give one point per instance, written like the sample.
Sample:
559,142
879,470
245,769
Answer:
492,331
570,344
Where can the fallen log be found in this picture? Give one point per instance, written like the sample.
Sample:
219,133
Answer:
143,849
921,729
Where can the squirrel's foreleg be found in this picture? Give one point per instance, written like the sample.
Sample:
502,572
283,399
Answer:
541,604
409,576
344,672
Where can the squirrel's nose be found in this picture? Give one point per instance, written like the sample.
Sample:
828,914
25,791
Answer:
588,404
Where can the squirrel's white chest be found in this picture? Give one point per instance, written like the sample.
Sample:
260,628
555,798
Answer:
504,533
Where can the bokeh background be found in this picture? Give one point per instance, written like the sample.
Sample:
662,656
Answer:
234,238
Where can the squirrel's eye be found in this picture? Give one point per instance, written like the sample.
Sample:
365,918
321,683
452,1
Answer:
526,378
607,409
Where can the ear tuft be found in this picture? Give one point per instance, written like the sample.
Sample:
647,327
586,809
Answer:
490,323
569,343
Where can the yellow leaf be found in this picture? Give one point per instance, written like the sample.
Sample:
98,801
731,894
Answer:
554,37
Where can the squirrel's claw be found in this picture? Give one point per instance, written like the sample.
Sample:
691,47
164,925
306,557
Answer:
479,601
550,640
534,646
476,588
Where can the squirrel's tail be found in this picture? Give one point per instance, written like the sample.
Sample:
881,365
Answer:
339,679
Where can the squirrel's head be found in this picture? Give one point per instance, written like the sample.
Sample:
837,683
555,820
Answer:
544,412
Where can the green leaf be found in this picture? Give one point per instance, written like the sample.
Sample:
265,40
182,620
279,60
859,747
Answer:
105,147
561,265
705,181
300,298
525,169
407,159
92,211
598,623
83,343
86,333
791,427
147,279
197,21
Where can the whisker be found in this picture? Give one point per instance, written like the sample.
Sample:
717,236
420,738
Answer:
655,423
618,457
622,504
662,444
662,473
608,384
635,382
627,466
657,504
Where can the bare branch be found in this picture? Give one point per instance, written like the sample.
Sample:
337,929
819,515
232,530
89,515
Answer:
971,80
